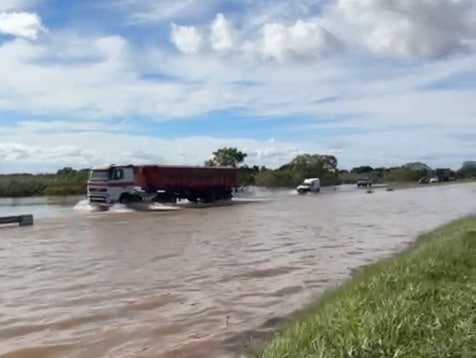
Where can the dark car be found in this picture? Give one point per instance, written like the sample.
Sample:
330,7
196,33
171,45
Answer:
365,182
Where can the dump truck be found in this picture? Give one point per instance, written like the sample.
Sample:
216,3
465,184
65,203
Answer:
443,174
111,184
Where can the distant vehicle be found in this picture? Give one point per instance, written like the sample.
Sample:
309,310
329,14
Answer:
365,182
309,185
443,174
423,180
434,180
125,184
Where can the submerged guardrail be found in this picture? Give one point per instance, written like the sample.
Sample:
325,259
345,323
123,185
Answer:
21,220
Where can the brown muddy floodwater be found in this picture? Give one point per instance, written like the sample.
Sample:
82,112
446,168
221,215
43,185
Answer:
191,282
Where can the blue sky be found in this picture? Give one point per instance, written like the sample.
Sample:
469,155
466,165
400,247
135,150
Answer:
372,82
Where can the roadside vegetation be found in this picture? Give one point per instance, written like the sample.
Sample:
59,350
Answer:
69,181
420,303
326,168
66,181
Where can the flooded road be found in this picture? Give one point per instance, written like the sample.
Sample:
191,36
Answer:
186,283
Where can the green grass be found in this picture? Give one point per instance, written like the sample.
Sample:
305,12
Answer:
420,303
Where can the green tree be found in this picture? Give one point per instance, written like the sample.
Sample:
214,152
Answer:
409,172
65,171
313,165
417,166
362,169
467,170
227,156
301,167
314,162
247,175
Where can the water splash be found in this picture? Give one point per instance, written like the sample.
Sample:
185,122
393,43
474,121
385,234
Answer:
120,208
264,193
162,207
83,205
249,195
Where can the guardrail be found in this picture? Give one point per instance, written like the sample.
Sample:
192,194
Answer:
22,220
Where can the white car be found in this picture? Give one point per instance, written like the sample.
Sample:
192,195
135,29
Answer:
310,185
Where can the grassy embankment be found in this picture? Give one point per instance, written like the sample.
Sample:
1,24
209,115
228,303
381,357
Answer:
420,303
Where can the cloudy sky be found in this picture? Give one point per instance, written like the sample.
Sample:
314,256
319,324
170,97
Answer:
378,82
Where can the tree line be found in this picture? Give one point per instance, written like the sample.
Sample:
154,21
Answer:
325,167
68,181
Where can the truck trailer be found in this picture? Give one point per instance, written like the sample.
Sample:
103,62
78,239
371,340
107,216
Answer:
111,184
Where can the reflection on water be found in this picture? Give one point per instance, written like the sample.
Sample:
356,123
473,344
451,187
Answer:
188,282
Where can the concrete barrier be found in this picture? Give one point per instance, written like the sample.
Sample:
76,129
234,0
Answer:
22,220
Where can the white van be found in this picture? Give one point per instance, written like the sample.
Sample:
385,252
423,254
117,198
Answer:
310,185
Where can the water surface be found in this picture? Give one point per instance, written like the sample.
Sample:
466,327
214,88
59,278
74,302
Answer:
184,283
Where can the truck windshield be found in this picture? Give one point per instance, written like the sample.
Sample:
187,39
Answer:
99,175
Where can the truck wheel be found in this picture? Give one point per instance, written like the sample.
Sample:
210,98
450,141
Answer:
128,198
209,197
226,195
124,199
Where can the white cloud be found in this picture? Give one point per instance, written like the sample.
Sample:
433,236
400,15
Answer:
428,29
84,149
186,38
190,39
15,5
31,75
62,126
156,11
102,77
276,155
21,24
301,40
221,36
34,149
18,152
393,147
420,29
